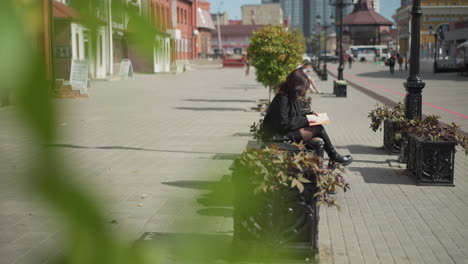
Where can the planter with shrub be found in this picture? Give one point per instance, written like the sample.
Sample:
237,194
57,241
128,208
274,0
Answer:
391,118
276,201
340,88
304,103
431,150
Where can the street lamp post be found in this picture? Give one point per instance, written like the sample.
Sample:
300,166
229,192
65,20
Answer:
220,45
340,4
435,47
326,26
318,20
414,84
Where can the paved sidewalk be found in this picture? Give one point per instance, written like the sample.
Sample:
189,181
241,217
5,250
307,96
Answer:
386,218
150,148
445,94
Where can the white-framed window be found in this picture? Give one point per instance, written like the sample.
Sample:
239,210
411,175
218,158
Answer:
65,2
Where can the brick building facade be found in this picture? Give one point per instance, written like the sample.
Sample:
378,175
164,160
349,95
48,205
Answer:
186,24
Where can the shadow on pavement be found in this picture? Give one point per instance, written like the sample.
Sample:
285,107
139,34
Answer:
384,175
403,75
329,95
216,155
212,109
245,87
370,161
216,211
200,185
221,156
189,247
364,149
240,134
221,100
221,195
221,192
199,248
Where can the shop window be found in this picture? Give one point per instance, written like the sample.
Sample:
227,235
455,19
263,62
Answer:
178,16
77,39
101,49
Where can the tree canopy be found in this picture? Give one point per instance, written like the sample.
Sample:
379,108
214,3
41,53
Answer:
275,52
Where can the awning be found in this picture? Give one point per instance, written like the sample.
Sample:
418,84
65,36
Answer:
204,19
463,45
63,11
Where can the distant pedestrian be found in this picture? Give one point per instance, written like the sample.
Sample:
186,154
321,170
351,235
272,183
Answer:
306,66
247,67
400,62
391,64
350,61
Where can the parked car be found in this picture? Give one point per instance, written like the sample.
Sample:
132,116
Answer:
328,58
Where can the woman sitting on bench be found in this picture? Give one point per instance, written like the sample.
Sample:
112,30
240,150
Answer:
285,119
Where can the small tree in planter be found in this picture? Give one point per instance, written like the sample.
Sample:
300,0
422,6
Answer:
277,194
391,118
275,52
431,149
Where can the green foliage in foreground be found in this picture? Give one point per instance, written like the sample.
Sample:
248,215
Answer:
87,235
275,52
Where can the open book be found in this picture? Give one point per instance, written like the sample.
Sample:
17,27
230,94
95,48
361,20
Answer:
322,119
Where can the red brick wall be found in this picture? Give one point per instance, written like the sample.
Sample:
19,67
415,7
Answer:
160,14
186,23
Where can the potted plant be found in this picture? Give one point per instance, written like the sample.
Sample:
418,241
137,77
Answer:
431,150
339,88
276,200
391,118
304,103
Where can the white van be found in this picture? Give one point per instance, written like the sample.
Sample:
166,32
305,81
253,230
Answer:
369,52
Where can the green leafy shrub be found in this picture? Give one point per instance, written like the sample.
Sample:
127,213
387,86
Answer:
382,113
272,170
431,129
275,52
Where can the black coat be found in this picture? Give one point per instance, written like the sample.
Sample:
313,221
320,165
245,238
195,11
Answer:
283,117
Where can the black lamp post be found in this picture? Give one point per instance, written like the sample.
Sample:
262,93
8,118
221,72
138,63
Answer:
414,84
325,73
435,47
340,4
318,20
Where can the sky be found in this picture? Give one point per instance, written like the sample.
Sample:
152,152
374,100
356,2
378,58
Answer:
233,7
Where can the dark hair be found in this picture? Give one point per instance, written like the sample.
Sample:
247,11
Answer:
307,63
296,84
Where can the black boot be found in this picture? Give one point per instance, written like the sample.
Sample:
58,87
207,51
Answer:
341,159
318,146
328,146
